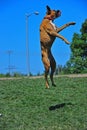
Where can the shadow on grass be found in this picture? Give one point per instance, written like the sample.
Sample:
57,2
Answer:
58,106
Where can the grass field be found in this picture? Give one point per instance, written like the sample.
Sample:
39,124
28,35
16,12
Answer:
25,104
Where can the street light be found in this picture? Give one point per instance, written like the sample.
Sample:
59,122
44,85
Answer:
28,15
27,40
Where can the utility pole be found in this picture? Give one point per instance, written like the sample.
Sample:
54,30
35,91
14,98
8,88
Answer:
10,67
9,52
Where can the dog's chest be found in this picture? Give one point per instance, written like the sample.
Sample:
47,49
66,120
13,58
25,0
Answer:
53,25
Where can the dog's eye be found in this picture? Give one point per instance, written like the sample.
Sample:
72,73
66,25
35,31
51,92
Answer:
48,12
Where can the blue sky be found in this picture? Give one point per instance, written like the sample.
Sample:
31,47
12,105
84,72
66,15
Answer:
13,32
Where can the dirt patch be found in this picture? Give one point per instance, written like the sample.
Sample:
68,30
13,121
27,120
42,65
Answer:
35,77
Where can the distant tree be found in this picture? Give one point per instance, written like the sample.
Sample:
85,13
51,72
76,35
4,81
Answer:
2,75
78,59
59,69
16,74
8,75
38,74
30,74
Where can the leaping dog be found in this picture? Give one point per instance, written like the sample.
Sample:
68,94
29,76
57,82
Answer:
48,33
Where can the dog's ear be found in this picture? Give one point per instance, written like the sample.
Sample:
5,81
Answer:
48,10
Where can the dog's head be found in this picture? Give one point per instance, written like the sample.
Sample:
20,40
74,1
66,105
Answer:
52,14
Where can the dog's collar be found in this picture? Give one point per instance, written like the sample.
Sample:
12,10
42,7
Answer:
49,18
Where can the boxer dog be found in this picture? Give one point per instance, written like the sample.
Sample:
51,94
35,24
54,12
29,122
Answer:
48,33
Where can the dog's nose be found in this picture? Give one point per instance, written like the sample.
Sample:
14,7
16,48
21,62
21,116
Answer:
58,13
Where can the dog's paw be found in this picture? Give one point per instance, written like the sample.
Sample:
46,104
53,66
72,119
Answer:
47,85
54,85
67,42
72,23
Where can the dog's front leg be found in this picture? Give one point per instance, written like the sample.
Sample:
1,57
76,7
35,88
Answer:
64,26
64,39
55,34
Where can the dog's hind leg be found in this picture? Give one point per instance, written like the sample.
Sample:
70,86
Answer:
46,79
53,67
46,63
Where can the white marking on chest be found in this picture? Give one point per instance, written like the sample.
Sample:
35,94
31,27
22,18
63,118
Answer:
53,25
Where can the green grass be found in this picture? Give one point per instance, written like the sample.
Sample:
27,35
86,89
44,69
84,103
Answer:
25,103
